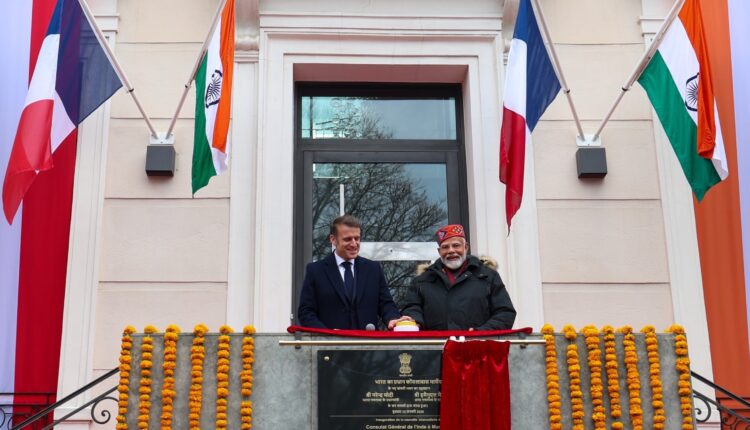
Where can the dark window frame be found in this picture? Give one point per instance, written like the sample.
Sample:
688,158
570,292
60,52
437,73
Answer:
308,151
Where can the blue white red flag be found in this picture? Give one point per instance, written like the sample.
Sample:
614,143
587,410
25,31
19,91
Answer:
54,74
72,77
530,86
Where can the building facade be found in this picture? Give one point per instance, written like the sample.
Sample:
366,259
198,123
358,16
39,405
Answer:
621,250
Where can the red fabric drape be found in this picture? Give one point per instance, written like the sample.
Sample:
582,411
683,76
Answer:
408,334
476,386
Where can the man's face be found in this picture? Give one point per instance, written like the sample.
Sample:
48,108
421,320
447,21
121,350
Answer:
346,241
453,252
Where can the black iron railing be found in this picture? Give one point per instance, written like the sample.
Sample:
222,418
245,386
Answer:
730,419
41,417
17,407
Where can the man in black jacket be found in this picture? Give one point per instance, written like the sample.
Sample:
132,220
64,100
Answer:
458,292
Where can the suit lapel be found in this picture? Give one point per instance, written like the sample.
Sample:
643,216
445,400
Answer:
334,277
360,274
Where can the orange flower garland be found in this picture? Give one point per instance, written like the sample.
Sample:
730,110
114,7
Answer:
574,373
197,355
170,363
632,377
553,379
657,396
126,359
222,377
246,377
591,337
613,377
685,390
144,404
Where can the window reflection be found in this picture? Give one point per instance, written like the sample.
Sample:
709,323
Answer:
378,118
400,275
396,202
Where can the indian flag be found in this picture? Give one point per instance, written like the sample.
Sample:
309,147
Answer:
678,83
213,102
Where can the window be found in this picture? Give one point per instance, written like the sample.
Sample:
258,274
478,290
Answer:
391,155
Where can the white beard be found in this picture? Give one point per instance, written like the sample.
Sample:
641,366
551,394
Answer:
453,264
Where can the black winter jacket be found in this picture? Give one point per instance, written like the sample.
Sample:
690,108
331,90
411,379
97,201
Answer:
478,299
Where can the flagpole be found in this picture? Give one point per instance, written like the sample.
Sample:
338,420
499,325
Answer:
118,69
197,64
641,65
541,22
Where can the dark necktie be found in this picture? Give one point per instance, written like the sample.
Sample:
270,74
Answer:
348,280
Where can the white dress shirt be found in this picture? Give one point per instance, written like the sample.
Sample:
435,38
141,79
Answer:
342,269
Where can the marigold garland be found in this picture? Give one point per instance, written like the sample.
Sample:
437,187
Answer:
123,388
613,377
632,377
574,373
684,388
657,396
197,356
594,356
246,377
222,377
144,391
170,363
553,379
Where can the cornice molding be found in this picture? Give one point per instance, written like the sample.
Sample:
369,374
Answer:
248,25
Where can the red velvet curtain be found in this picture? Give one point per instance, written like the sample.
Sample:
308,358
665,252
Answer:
476,386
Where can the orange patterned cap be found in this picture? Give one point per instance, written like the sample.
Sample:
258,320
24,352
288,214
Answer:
449,231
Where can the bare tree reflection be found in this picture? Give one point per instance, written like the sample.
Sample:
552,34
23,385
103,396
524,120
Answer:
352,119
391,206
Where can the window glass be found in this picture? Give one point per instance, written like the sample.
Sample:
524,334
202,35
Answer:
396,202
378,118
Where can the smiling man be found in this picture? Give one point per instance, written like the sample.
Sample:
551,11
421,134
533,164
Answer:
344,290
458,292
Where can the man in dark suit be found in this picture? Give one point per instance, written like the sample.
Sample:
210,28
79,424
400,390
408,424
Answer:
345,291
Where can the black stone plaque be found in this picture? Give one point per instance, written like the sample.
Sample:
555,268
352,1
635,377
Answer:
379,390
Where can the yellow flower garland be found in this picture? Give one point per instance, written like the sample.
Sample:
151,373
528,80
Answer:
123,387
632,377
170,363
144,404
246,377
685,390
592,340
574,373
222,377
553,379
613,377
197,355
657,396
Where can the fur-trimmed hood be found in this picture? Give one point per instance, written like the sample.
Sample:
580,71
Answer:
485,259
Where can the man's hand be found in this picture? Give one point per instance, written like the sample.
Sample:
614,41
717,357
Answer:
392,323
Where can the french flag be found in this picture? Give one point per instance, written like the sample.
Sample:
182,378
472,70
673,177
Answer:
72,77
530,86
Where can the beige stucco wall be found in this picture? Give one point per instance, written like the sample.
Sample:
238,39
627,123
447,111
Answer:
602,242
163,254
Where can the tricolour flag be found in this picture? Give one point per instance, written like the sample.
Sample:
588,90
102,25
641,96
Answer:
679,84
72,77
34,249
213,102
530,86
